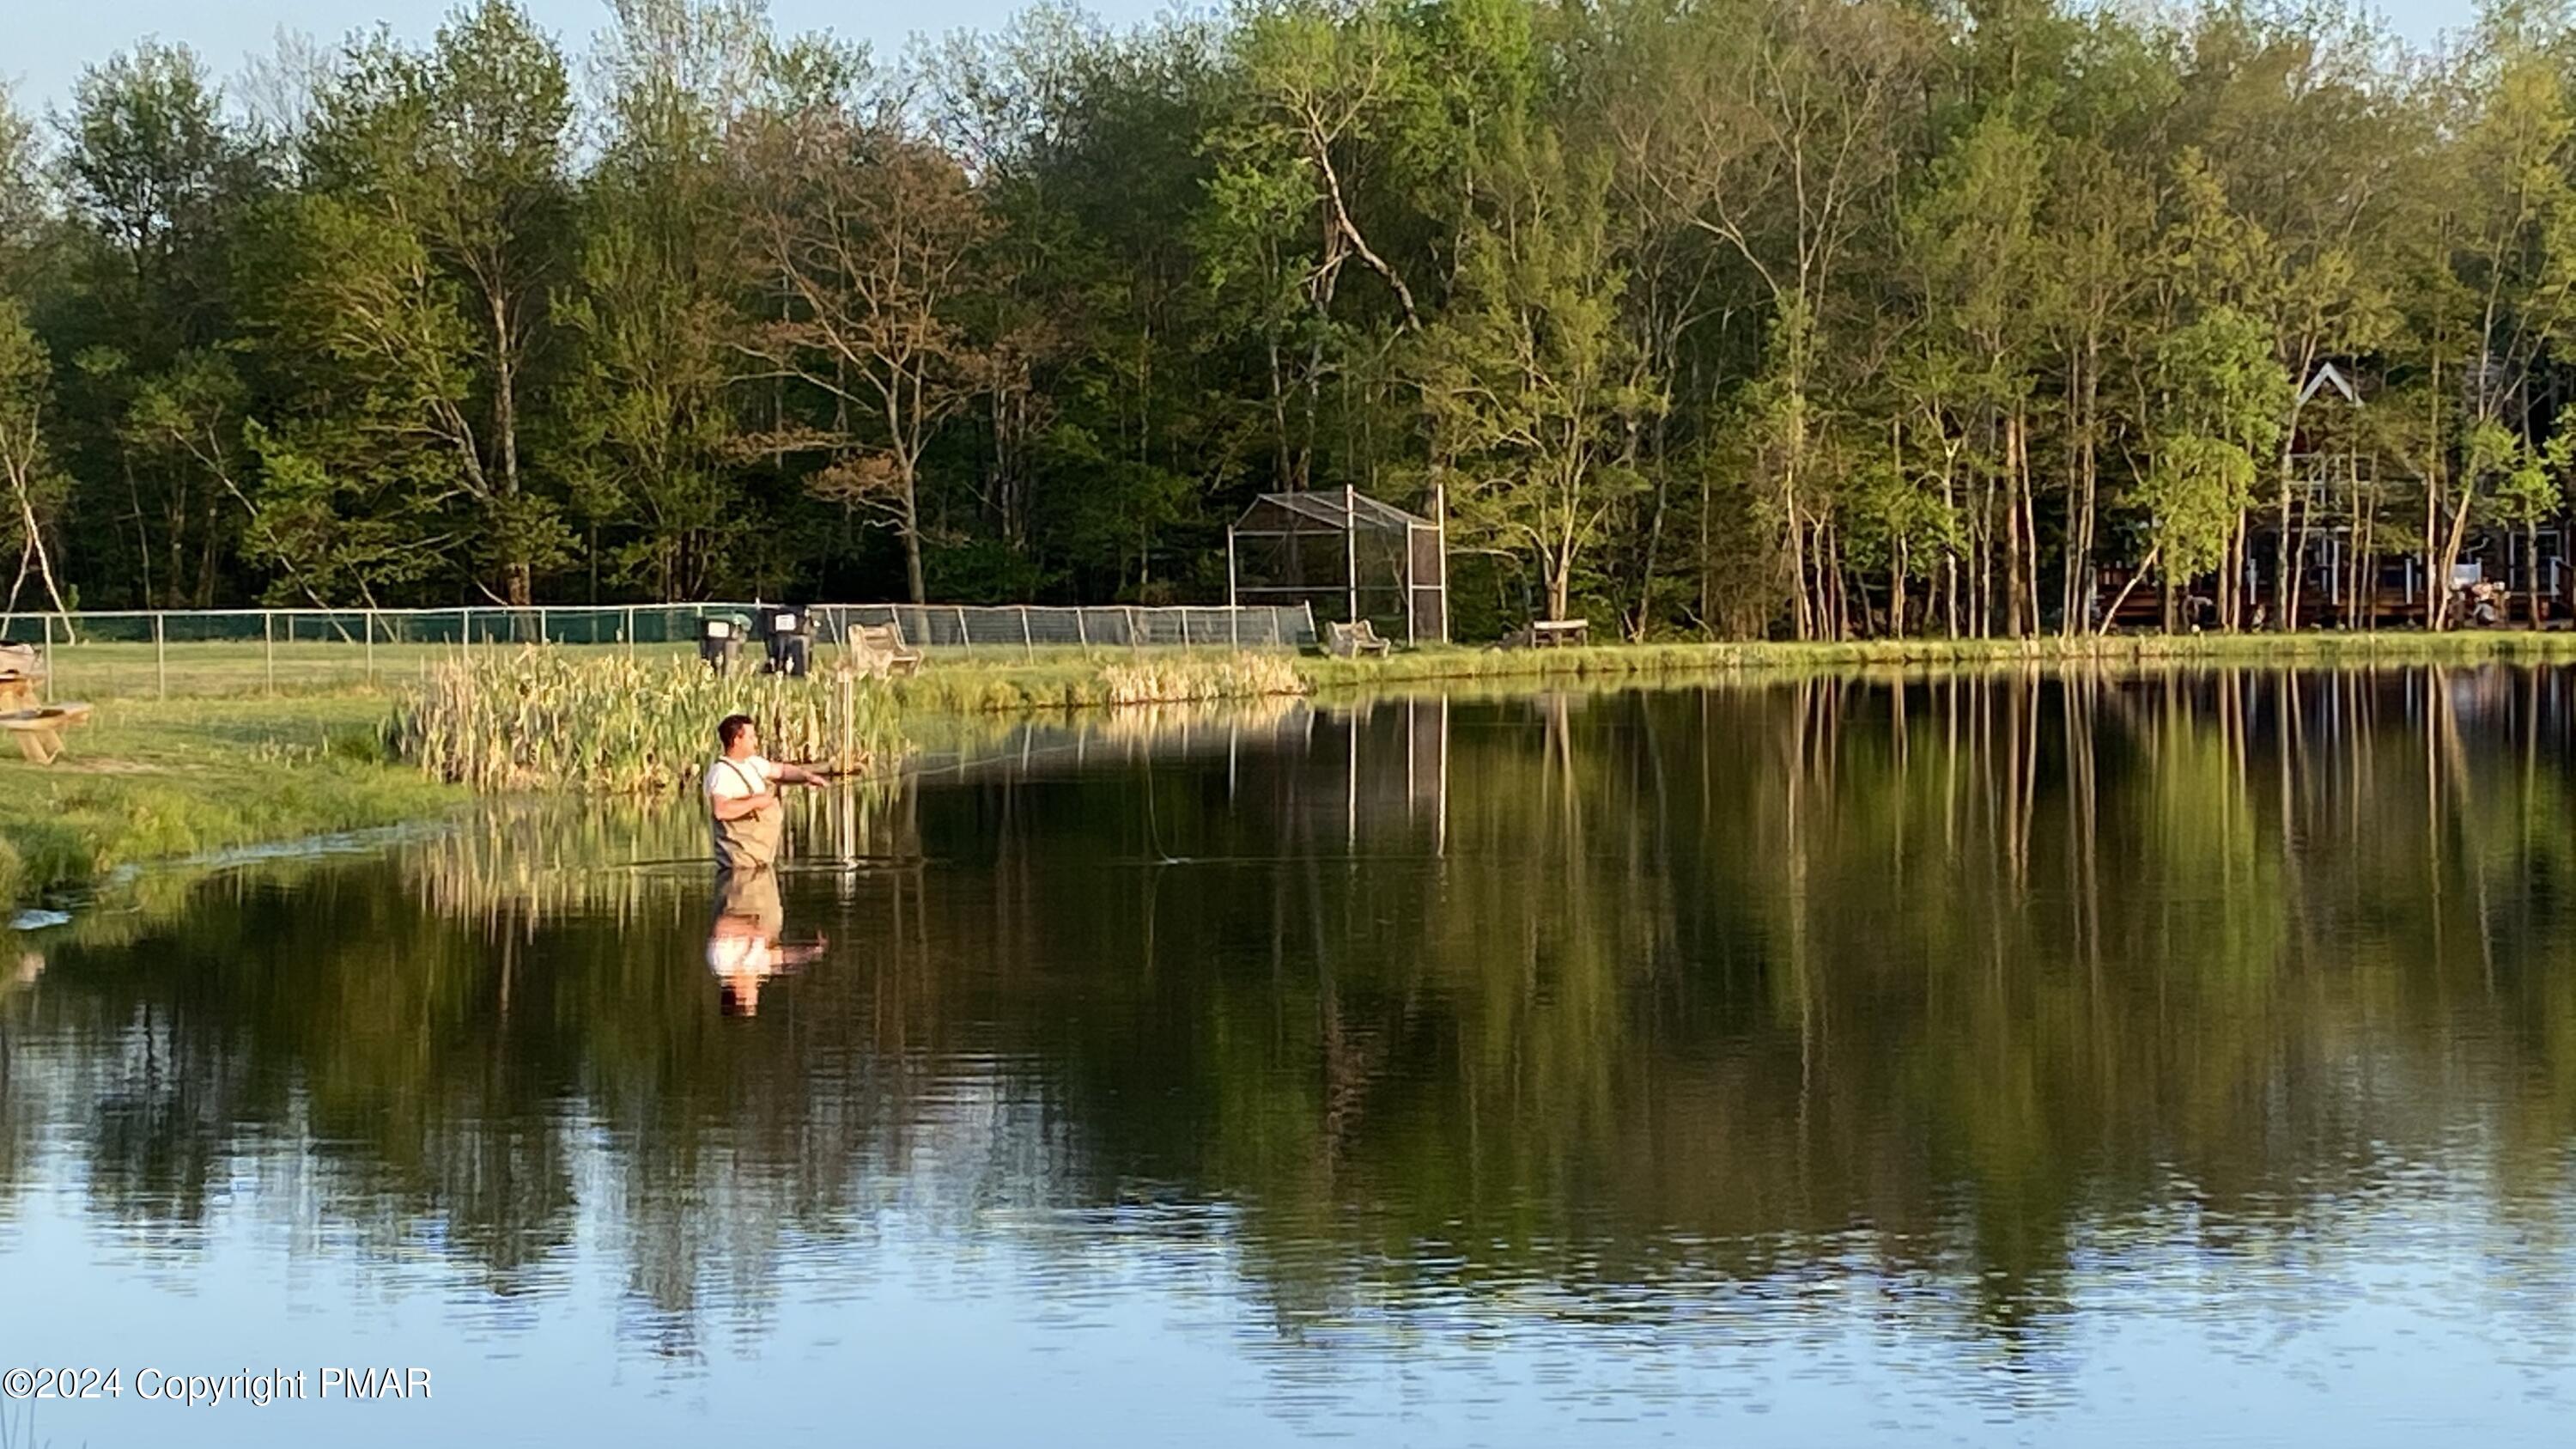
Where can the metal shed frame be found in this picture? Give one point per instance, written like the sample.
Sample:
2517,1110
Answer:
1347,513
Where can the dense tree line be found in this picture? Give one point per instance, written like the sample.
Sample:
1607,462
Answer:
1811,318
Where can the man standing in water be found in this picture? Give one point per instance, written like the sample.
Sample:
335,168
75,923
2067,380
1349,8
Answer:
742,797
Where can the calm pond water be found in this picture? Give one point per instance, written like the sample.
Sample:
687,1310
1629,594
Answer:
2124,1060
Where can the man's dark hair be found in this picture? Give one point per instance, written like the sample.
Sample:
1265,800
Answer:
729,727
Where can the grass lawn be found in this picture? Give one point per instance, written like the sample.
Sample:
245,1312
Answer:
148,780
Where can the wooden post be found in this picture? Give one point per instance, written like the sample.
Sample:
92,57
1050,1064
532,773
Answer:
160,655
849,705
1351,547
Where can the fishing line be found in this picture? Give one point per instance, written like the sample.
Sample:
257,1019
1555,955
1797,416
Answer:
1153,827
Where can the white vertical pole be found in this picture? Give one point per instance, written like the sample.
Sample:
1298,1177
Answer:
1408,590
1440,517
1233,620
964,638
161,655
1442,848
268,646
1351,547
48,696
1082,630
1028,642
368,619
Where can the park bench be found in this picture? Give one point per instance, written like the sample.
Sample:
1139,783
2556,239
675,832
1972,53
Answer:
878,650
39,731
1354,641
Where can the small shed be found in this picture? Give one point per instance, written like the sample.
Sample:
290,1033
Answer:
1346,554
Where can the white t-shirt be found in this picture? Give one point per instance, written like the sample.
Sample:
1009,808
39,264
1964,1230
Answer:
732,779
743,952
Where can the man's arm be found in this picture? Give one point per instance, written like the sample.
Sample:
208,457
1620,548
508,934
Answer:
737,806
787,774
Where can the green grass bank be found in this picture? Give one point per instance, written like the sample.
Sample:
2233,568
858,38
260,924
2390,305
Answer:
152,780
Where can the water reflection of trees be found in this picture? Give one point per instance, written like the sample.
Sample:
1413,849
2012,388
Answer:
1595,991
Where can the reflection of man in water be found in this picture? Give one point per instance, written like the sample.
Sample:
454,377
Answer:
742,946
742,797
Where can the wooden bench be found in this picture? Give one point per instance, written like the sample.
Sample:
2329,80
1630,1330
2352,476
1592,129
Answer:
1354,641
878,651
1559,633
39,732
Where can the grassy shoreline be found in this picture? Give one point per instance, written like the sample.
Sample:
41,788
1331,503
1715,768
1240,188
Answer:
154,781
975,686
166,780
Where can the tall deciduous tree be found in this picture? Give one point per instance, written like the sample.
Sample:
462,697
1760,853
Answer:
1530,384
36,491
870,240
455,159
646,428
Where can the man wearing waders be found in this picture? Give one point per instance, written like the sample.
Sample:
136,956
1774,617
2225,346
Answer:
742,797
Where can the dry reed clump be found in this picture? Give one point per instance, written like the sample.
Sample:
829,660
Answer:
1190,677
548,718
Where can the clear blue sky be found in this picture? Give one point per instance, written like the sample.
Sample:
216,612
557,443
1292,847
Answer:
50,40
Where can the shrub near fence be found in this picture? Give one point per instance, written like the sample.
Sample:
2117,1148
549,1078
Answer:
230,651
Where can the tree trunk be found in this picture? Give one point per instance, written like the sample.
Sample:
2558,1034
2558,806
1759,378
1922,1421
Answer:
2126,589
2531,571
505,425
912,578
2079,533
2016,564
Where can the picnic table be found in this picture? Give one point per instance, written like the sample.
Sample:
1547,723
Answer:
1550,634
39,731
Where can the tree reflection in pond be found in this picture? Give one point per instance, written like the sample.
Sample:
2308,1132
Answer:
1979,997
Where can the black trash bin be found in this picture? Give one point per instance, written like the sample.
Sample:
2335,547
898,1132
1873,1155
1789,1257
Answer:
719,640
788,632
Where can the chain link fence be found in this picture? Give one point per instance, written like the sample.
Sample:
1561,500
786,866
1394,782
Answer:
227,651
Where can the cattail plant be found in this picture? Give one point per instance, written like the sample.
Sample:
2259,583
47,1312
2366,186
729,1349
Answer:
553,718
1176,680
